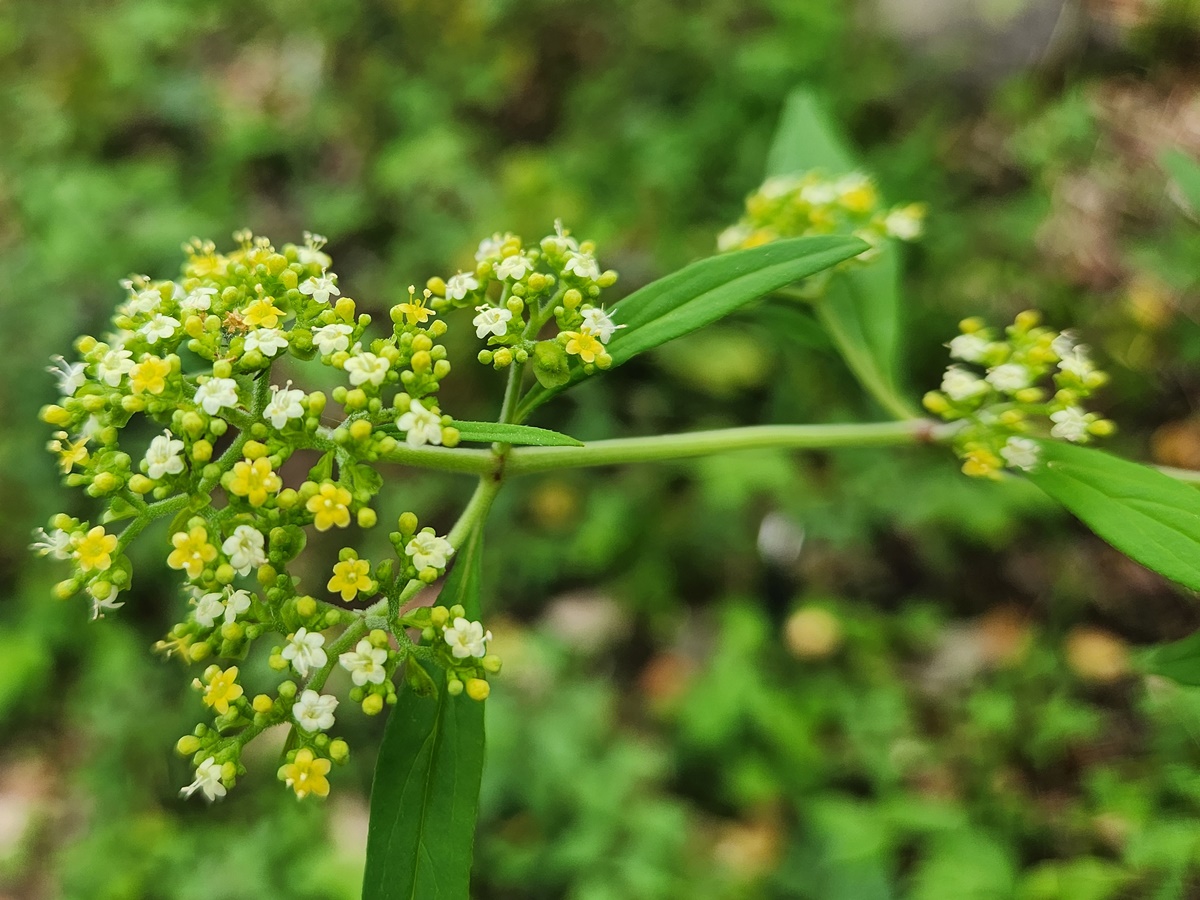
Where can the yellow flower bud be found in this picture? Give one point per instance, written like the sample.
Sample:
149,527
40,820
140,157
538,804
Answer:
478,689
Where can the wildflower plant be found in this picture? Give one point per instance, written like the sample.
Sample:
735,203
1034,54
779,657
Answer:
195,362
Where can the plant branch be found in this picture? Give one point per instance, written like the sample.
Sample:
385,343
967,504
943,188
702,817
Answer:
527,460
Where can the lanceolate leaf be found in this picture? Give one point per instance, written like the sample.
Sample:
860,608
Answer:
1148,516
861,307
425,795
524,435
1179,660
700,294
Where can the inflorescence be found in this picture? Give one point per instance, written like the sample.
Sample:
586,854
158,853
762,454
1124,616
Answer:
1032,382
188,370
812,203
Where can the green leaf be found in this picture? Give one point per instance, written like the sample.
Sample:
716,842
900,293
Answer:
861,308
705,291
1185,172
804,140
425,794
365,482
1179,660
522,435
1148,516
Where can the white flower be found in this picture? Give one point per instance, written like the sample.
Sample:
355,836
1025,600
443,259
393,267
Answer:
1076,362
310,254
319,288
428,550
596,321
365,663
466,638
1063,344
514,267
56,543
71,376
114,365
561,241
199,299
236,604
267,341
332,338
208,781
969,347
904,223
733,236
1071,424
209,608
1020,453
819,194
283,406
314,711
159,328
491,320
958,384
367,367
1009,377
145,301
216,394
583,265
245,549
99,604
458,286
305,651
421,426
164,456
778,186
489,247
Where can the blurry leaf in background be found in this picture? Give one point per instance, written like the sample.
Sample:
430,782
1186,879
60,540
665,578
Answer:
1185,172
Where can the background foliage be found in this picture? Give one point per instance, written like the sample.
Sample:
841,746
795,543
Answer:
666,726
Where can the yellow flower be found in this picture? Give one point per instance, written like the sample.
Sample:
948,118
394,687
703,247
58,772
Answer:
414,309
192,551
330,507
307,774
94,550
149,376
222,689
583,345
858,195
254,480
262,313
349,577
980,462
70,453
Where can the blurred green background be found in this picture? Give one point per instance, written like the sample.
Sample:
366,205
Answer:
951,714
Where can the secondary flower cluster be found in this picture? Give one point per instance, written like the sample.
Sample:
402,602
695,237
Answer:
812,203
516,290
1004,390
177,407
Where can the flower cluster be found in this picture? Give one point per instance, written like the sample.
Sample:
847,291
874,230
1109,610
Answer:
1005,391
516,290
186,378
811,203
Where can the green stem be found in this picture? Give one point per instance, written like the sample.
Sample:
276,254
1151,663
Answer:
863,366
526,460
472,516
